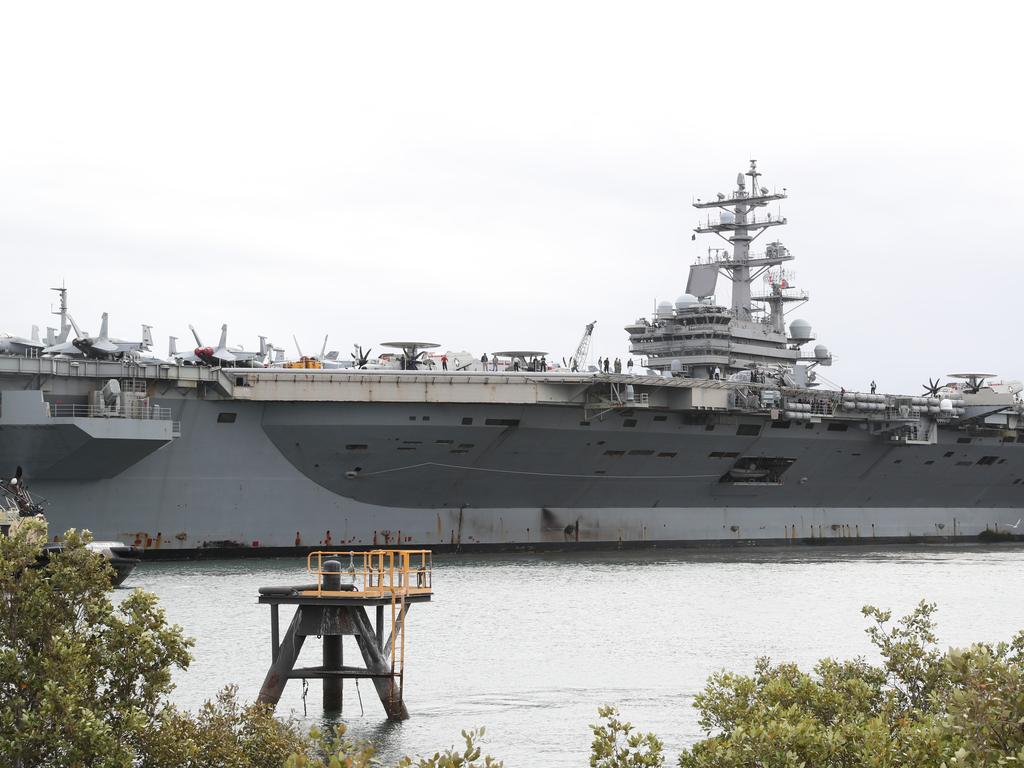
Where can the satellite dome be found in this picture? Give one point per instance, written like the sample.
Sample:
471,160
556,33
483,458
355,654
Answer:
800,330
686,300
821,352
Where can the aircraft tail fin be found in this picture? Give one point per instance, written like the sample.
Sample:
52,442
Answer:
195,334
222,353
147,336
35,333
103,328
172,346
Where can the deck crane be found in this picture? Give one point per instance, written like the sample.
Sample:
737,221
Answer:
580,356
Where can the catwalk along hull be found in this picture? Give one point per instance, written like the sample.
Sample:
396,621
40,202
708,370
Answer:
249,475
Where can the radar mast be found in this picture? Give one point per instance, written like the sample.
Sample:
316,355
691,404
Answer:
739,225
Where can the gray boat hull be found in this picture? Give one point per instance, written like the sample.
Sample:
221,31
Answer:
286,475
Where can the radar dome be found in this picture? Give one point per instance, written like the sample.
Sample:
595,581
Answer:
686,300
800,331
664,308
821,352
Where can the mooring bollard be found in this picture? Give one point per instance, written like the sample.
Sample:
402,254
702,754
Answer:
336,606
334,686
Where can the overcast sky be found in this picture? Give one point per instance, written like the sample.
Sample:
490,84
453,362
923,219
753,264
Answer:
491,176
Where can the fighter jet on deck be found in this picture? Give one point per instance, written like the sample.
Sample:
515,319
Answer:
18,345
100,347
222,355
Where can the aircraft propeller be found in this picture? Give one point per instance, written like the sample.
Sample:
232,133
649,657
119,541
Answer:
360,359
933,386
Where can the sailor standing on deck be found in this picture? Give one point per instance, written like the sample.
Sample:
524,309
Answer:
444,362
873,386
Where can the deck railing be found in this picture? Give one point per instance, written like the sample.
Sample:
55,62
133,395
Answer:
81,410
376,572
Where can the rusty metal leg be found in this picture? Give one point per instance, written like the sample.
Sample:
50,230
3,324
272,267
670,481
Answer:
284,661
376,661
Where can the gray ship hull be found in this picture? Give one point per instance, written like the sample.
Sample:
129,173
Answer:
468,475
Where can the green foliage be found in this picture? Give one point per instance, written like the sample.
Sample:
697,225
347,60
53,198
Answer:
920,708
470,757
83,683
79,681
223,733
342,752
617,745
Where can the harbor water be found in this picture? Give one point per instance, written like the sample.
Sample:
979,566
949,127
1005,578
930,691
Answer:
531,645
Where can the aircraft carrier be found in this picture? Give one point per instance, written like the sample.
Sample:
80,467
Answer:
725,435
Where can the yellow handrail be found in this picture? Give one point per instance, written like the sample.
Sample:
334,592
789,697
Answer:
382,571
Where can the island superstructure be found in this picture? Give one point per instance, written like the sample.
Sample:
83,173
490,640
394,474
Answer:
727,436
696,337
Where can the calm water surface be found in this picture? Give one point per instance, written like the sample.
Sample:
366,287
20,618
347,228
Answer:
530,646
